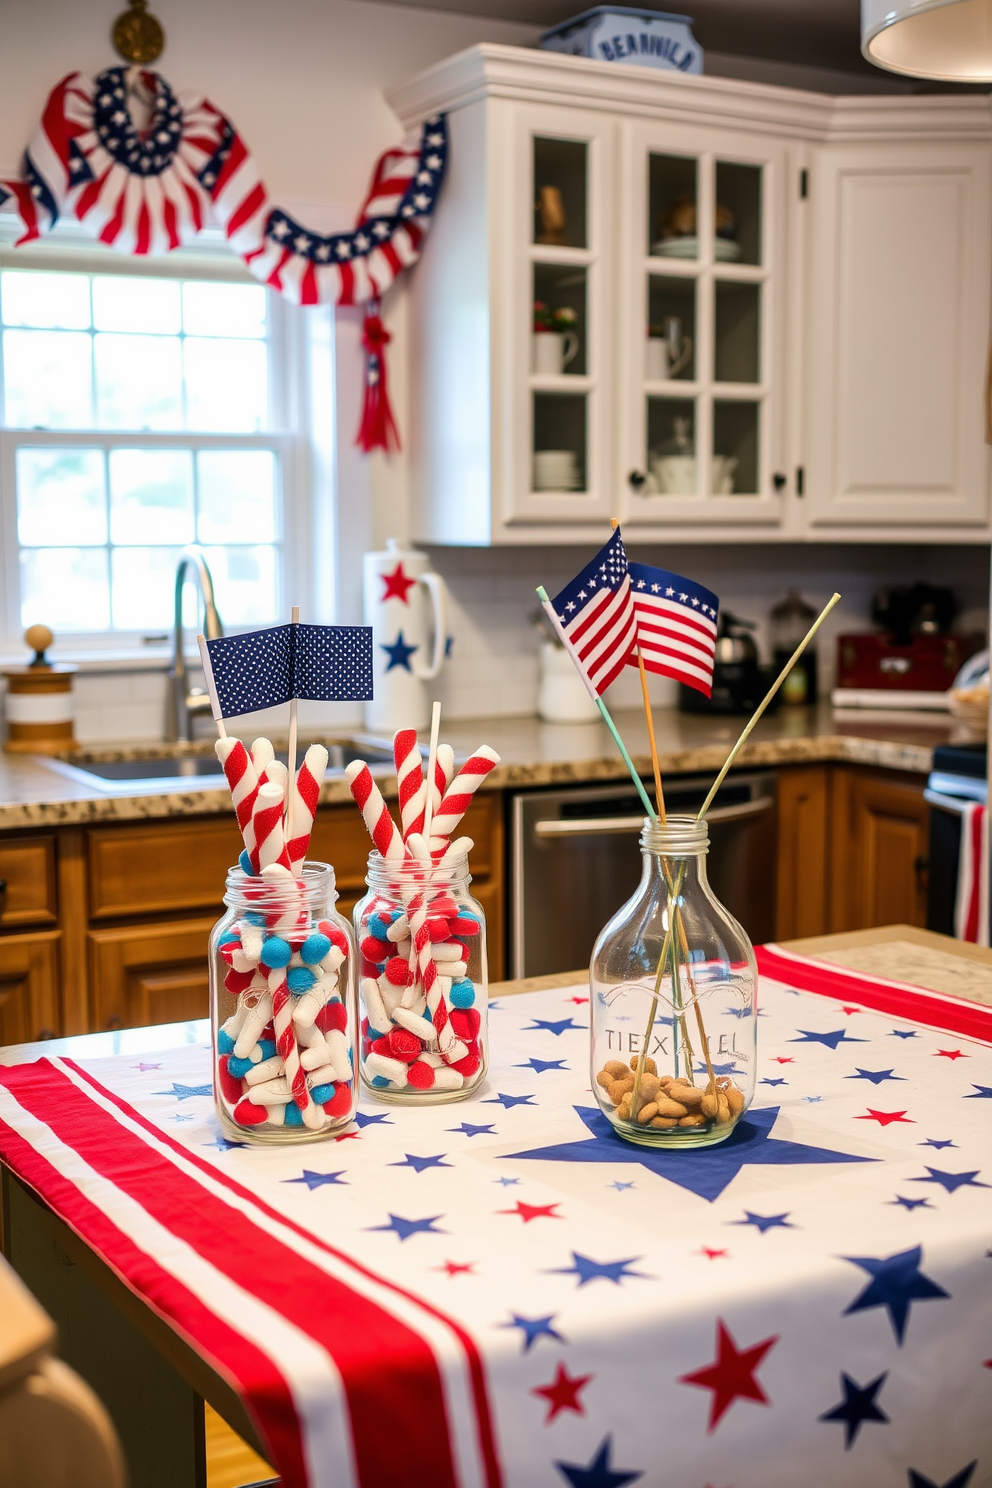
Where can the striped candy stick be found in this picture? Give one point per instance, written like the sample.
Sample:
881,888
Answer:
382,829
239,771
288,1049
458,796
303,798
410,781
269,840
445,771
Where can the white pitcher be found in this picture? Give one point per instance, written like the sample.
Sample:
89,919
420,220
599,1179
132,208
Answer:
406,606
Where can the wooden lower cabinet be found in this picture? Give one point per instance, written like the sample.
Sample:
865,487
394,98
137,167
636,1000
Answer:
149,973
802,886
29,987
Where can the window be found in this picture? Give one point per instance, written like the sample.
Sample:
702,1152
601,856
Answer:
140,413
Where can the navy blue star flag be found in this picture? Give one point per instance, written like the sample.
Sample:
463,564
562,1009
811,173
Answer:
263,668
676,625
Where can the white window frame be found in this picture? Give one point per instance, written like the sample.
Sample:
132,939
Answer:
302,436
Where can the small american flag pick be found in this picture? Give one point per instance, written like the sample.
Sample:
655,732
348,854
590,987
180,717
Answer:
676,626
595,616
263,668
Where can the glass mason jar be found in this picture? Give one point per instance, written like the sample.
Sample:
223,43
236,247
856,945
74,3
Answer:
282,1009
674,1017
424,983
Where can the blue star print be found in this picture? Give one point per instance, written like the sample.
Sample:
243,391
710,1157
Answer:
777,1081
420,1164
982,1092
839,1036
765,1222
407,1227
706,1171
896,1283
586,1269
472,1131
534,1328
877,1077
951,1181
857,1407
933,1142
362,1119
399,653
317,1180
539,1066
545,1025
183,1092
730,1068
506,1182
509,1101
620,1186
223,1144
960,1479
903,1033
598,1473
910,1204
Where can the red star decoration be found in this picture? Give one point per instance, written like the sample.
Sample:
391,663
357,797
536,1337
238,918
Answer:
850,1010
348,1137
577,1000
780,1059
563,1393
950,1054
456,1268
711,1255
528,1212
731,1374
397,585
886,1118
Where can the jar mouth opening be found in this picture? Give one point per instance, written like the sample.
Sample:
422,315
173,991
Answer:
383,873
313,886
679,835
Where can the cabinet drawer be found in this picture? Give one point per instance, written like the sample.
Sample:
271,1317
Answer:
161,867
27,867
149,974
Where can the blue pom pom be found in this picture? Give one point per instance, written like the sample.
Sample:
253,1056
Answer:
230,938
276,952
374,1034
244,862
380,1082
300,979
378,925
238,1067
268,1049
315,948
225,1042
253,918
294,1116
463,993
321,1094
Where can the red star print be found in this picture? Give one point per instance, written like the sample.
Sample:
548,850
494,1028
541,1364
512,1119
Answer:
711,1255
780,1059
397,584
528,1212
850,1010
950,1054
731,1374
456,1268
886,1118
348,1137
577,1000
563,1393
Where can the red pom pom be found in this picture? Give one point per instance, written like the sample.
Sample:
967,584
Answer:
340,1102
335,934
437,927
468,1065
365,1028
382,1046
420,1076
333,1015
227,951
245,1114
465,927
404,1045
230,1088
444,906
466,1022
376,950
370,969
237,982
398,972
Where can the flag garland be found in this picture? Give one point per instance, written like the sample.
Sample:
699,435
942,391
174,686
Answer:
152,191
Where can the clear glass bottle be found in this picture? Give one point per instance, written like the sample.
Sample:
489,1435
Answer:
424,984
674,1016
282,1009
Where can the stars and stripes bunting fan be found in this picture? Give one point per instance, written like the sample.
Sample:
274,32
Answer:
594,615
676,625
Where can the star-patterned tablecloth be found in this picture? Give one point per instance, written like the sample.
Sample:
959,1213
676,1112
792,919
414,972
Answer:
811,1301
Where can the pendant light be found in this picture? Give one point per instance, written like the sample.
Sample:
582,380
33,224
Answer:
948,40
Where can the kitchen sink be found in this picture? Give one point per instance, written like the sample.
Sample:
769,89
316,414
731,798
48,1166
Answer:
202,771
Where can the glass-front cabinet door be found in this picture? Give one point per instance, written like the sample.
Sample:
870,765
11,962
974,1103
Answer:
558,357
700,373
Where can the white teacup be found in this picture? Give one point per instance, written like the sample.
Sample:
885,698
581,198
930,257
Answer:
551,352
556,470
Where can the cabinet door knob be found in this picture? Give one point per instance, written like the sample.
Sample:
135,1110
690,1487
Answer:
636,479
779,480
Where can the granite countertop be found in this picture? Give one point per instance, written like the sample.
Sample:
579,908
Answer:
34,794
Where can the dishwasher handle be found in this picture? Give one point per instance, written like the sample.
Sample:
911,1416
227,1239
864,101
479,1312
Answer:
595,826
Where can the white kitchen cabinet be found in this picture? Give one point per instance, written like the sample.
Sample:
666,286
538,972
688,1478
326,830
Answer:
827,312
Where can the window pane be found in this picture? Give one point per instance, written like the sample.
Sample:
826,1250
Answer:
48,379
236,496
226,385
143,587
60,497
130,303
245,584
55,301
223,309
151,496
65,588
139,383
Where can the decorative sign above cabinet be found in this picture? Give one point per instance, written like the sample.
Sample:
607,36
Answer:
620,33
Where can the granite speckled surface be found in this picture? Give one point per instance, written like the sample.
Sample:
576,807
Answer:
34,794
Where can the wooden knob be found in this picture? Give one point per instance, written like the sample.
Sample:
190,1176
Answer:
39,638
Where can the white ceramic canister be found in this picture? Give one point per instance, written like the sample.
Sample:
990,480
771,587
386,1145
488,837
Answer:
562,696
406,606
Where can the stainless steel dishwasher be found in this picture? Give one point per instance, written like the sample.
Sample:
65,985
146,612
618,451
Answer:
575,860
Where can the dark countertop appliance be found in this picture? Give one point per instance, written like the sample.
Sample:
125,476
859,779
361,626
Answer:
957,779
739,682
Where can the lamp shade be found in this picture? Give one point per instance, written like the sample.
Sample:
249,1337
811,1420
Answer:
949,40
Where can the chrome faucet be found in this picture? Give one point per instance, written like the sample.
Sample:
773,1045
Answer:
185,702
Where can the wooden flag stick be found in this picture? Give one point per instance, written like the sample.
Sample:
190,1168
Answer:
431,765
294,618
764,704
208,677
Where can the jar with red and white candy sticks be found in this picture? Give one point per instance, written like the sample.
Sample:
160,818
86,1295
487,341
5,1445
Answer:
423,988
282,1002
